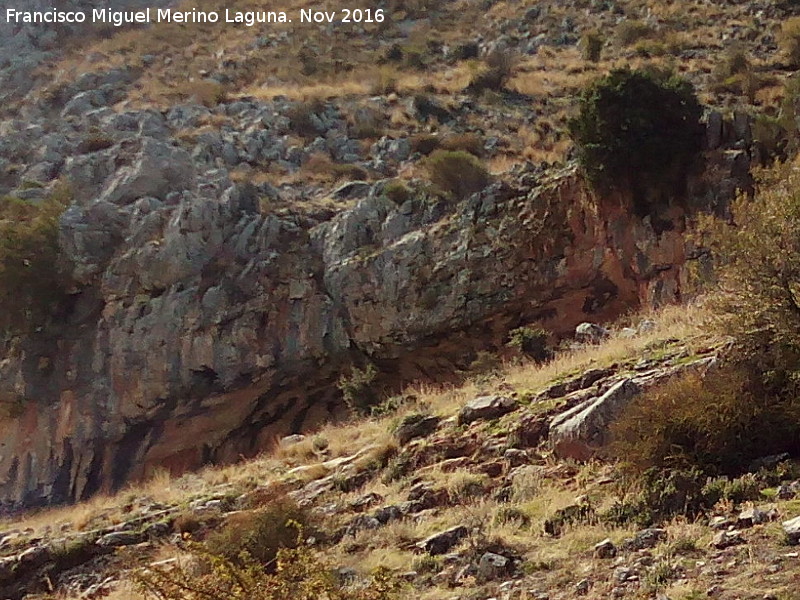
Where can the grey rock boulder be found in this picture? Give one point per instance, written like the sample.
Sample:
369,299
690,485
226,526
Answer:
441,543
492,566
149,168
787,491
754,516
352,189
578,433
646,538
590,333
714,130
486,407
605,549
792,530
726,539
415,426
119,538
89,236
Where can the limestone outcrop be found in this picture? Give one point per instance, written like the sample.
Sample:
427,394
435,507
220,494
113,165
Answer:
203,324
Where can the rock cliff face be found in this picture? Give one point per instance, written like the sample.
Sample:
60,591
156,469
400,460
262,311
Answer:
201,325
205,329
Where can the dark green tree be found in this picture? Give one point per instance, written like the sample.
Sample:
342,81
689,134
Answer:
638,131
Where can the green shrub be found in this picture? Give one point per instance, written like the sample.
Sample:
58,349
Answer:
531,341
666,493
591,46
738,490
33,281
415,58
319,444
358,390
486,364
660,494
457,173
735,74
771,137
684,546
425,143
427,564
258,535
734,60
759,272
638,131
309,60
575,514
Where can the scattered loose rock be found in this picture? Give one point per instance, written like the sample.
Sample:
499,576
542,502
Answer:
590,333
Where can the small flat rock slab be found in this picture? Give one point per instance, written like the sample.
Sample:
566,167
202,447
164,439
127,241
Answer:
441,543
605,549
491,566
726,539
486,407
119,538
411,429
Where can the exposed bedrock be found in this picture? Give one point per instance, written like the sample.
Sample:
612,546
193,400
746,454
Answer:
201,328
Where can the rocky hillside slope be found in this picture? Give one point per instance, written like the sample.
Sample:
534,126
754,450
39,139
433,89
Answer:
465,493
25,47
233,247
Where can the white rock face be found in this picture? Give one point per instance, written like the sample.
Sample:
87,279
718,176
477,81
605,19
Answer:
577,433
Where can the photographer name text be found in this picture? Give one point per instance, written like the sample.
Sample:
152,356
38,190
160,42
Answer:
120,18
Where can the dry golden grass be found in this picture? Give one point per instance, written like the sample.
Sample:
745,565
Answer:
125,591
311,91
502,163
681,322
536,496
549,150
79,515
337,440
102,510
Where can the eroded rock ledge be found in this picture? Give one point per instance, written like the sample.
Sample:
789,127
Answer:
202,327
